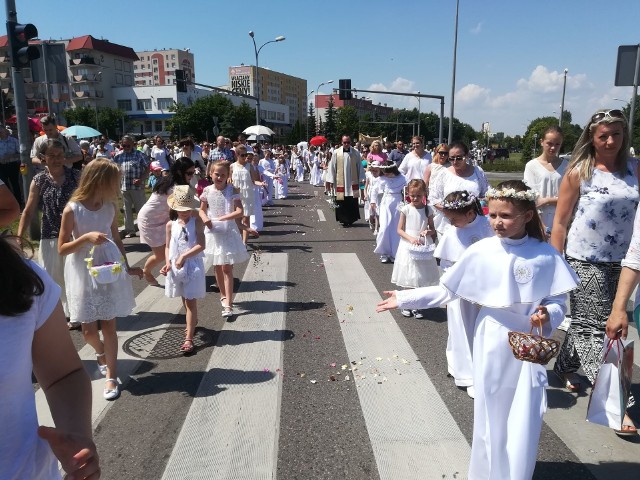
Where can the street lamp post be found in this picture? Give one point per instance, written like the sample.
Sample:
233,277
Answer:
316,103
535,141
257,52
308,95
419,114
453,75
564,89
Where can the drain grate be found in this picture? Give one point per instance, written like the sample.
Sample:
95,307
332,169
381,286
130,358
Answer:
163,343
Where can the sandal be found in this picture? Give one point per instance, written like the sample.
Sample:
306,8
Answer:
223,300
187,346
73,325
227,312
628,428
571,381
102,367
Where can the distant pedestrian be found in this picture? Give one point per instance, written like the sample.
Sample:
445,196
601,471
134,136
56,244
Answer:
345,174
391,183
134,168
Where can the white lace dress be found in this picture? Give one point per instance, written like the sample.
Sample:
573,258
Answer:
188,281
241,179
224,242
90,301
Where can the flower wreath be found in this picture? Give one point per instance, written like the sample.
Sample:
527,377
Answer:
107,272
465,200
528,195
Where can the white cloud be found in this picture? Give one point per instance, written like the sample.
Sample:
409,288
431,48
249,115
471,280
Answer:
477,29
400,84
472,94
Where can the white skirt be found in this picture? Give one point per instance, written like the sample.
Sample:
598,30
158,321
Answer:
53,264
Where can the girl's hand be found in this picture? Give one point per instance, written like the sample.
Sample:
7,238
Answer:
415,241
135,271
96,238
389,303
539,318
427,233
253,233
165,269
208,223
180,262
77,454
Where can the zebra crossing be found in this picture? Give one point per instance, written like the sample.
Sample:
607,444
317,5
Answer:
401,418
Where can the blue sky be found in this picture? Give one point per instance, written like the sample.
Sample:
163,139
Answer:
511,53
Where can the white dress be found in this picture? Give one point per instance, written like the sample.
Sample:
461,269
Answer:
408,272
299,168
224,242
510,395
256,221
281,183
188,281
269,168
90,301
315,177
461,314
388,240
546,183
241,179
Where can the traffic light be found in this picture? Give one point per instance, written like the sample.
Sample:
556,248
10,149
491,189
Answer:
21,52
181,81
344,92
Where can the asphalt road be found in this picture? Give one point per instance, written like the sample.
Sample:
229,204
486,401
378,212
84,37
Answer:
311,422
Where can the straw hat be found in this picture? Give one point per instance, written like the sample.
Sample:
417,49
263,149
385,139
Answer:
183,198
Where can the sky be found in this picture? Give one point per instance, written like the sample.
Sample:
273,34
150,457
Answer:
511,54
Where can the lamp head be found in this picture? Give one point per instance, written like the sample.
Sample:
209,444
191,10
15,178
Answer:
566,70
251,33
280,38
330,81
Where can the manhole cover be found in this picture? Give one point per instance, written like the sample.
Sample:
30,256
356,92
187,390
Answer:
163,343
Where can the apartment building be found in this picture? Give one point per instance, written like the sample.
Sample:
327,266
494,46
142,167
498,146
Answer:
157,67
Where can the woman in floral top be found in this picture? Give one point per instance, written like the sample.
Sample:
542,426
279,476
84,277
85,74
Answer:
50,191
593,226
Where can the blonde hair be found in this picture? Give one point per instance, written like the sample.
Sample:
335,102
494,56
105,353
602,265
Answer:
583,157
99,175
376,143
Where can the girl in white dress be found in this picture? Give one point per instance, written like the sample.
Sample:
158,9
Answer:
282,179
391,183
518,280
220,206
184,265
315,177
544,174
88,220
415,227
243,179
468,225
298,165
371,180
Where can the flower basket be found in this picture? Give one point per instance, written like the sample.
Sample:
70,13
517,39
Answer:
533,348
105,263
421,252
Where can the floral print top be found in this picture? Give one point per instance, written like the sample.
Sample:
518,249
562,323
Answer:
53,199
603,216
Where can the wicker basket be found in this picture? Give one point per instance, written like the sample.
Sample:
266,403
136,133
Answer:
112,266
533,348
421,252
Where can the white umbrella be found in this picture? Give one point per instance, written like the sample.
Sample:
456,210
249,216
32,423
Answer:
258,130
258,138
302,145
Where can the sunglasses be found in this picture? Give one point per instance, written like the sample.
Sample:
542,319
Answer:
443,154
612,114
458,158
416,144
186,235
243,155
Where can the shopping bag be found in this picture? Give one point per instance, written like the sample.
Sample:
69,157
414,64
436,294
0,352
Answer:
612,388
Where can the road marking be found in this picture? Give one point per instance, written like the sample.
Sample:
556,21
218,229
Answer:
151,304
413,434
232,428
321,216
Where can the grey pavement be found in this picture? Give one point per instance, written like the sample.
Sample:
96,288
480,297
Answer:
307,381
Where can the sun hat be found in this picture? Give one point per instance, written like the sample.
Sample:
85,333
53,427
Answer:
155,166
183,198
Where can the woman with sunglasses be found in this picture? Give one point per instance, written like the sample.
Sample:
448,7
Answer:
593,227
436,167
154,215
459,176
188,150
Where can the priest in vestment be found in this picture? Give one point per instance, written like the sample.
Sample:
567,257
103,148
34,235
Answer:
345,173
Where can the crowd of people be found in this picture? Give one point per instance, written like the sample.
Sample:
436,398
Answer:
567,228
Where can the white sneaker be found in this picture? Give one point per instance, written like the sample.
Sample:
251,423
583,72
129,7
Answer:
406,313
471,391
418,314
384,259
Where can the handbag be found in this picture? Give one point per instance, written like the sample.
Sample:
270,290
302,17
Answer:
533,348
612,388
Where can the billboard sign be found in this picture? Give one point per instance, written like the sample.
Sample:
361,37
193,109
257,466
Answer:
240,80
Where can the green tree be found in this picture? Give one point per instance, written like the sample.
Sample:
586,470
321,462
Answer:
81,116
9,108
296,133
635,138
330,127
311,121
347,122
110,121
197,119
